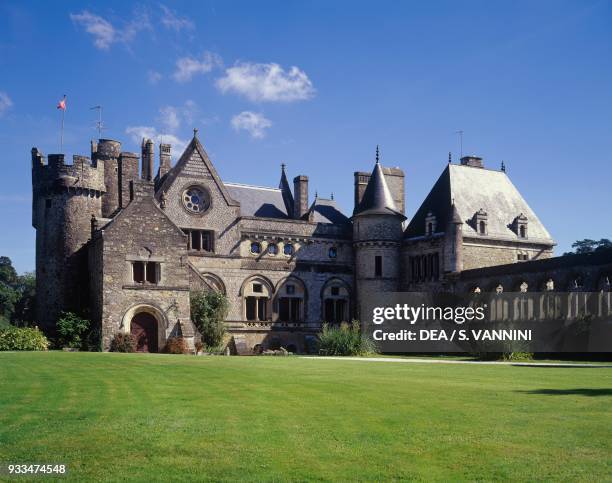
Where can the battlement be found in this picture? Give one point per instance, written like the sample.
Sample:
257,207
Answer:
54,173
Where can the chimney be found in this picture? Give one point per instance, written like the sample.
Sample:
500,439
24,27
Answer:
300,196
148,157
473,161
165,160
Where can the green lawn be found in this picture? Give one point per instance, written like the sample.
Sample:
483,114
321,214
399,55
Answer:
160,417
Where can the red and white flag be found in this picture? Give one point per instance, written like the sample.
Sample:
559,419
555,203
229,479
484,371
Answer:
62,104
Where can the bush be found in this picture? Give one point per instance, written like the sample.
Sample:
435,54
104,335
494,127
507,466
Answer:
22,339
73,331
199,346
123,342
208,312
504,356
176,345
346,340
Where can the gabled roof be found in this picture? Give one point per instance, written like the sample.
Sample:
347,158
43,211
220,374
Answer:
326,211
259,200
472,189
377,198
195,146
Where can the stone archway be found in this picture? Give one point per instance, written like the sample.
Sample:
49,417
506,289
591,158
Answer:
148,325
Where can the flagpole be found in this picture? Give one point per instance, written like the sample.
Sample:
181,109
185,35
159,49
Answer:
62,106
62,132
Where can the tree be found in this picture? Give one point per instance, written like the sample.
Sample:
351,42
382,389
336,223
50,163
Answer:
588,246
73,331
208,312
24,308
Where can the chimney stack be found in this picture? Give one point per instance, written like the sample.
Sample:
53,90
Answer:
300,196
148,157
165,159
473,161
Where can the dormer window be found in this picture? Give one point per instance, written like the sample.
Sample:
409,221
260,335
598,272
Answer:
430,224
519,226
480,222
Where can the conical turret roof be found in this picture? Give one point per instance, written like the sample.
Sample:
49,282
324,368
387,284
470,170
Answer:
377,198
283,185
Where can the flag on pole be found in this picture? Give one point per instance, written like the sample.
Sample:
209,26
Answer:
62,104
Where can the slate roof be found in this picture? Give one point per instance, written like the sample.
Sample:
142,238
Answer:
377,198
326,211
472,189
258,200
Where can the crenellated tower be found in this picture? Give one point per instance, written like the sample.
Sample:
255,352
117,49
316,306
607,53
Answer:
64,198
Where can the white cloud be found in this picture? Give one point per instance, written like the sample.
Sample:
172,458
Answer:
153,77
172,117
5,103
105,33
187,67
266,82
172,21
252,122
150,132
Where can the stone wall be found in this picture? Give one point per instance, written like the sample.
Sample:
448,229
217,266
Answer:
141,232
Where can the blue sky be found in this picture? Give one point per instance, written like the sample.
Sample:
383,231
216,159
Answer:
317,85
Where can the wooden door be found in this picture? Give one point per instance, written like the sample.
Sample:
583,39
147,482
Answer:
144,329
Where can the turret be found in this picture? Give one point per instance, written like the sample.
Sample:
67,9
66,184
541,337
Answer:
453,244
65,196
108,151
377,233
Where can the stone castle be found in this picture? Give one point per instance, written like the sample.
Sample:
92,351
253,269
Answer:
126,245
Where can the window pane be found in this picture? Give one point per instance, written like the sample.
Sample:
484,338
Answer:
340,306
196,240
138,272
207,241
151,272
329,310
251,303
378,266
283,309
295,310
262,313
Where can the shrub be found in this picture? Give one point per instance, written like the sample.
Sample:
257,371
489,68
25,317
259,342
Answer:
504,356
22,339
346,340
176,345
73,331
199,346
208,312
123,342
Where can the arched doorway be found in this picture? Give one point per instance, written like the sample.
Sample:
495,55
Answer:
143,327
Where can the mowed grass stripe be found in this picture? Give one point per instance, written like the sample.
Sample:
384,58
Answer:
156,417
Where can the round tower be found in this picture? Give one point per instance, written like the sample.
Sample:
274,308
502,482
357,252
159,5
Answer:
377,235
108,151
64,199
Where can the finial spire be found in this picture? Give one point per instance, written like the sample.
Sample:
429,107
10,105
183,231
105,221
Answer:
195,132
377,155
283,167
503,166
332,195
316,194
450,158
